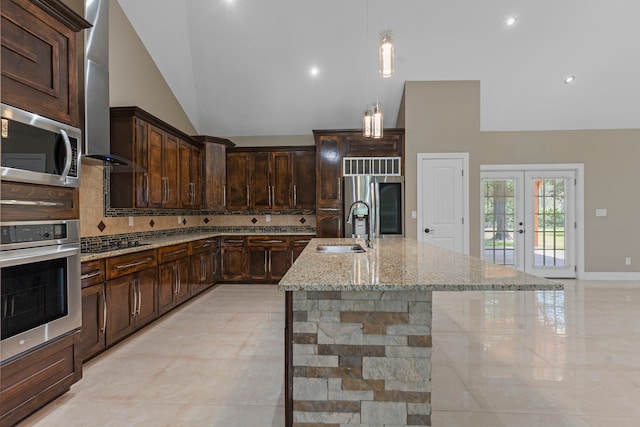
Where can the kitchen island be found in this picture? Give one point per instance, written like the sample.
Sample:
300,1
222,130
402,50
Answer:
358,328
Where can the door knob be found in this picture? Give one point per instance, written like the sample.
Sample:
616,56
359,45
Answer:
428,230
520,231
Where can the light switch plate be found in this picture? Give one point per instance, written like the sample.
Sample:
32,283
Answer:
414,214
130,221
267,218
601,212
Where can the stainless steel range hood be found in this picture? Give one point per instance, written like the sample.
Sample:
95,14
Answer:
96,90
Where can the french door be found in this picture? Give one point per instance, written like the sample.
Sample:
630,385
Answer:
528,221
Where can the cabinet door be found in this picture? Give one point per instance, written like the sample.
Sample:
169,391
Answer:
92,337
170,171
141,157
185,184
183,280
195,166
328,224
304,179
237,194
167,286
258,259
39,72
147,299
261,181
216,176
120,308
217,260
233,263
279,262
281,180
329,171
154,174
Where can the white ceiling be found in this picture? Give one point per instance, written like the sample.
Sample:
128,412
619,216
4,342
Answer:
241,67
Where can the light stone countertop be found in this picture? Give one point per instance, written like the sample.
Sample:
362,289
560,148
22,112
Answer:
402,264
177,239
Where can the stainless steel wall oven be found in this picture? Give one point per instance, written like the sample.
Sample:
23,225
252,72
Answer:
40,296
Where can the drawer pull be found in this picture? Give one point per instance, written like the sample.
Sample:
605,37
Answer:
90,275
202,246
234,241
133,264
30,203
175,252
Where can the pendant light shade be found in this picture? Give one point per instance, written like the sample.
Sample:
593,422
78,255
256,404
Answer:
372,122
386,53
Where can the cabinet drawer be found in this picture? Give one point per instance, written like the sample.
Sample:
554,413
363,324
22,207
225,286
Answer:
130,263
28,202
173,252
268,241
92,272
200,246
233,241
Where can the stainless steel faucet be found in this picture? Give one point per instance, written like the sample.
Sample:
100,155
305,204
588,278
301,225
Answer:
367,224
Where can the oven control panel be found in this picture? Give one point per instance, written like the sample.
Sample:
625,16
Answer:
35,233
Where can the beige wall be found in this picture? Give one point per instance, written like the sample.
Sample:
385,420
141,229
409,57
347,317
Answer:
445,117
134,79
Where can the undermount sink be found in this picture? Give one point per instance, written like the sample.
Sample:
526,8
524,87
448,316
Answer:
340,249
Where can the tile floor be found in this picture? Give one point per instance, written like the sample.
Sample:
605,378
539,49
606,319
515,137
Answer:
500,359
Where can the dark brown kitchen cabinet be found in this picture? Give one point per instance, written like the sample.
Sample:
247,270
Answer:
238,177
298,243
328,170
215,170
173,276
38,377
94,309
280,179
232,255
190,175
131,291
269,258
44,201
202,265
39,65
154,146
303,179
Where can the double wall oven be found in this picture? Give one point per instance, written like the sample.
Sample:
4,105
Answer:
40,295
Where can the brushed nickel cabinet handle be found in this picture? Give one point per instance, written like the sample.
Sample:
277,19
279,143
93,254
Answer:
133,264
224,196
90,275
135,299
179,251
295,195
104,311
247,196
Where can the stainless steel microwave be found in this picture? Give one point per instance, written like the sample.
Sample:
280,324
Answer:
38,150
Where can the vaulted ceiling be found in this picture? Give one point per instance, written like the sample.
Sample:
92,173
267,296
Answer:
242,67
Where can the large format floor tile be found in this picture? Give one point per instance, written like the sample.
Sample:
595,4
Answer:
500,359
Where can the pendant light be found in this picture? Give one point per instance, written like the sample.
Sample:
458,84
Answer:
376,121
385,53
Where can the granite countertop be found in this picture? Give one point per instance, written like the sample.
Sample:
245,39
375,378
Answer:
174,240
402,264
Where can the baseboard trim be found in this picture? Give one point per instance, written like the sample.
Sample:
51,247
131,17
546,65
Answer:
611,276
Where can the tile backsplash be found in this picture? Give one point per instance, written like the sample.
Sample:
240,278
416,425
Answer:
94,222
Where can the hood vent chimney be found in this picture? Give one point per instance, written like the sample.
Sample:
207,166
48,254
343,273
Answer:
96,89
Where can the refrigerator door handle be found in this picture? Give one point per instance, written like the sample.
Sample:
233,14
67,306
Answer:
374,215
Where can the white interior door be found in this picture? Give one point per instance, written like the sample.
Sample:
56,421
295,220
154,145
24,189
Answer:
442,200
528,221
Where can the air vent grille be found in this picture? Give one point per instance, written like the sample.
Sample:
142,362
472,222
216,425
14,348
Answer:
388,166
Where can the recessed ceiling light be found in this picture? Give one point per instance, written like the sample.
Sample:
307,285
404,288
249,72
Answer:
511,21
569,79
314,71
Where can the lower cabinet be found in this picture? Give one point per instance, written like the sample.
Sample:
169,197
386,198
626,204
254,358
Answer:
131,292
233,255
203,265
298,243
94,309
173,276
268,258
38,377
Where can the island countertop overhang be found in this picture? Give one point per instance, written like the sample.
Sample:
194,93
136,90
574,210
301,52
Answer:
396,264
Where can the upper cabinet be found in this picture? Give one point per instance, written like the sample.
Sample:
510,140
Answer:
39,64
170,163
215,171
270,178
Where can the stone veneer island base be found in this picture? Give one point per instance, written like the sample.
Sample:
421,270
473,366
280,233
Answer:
358,329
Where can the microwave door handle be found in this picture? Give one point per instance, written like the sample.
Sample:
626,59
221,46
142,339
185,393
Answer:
68,157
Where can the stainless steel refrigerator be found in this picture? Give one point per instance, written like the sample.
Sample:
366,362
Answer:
384,209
